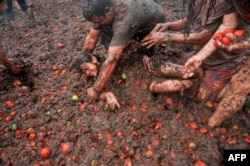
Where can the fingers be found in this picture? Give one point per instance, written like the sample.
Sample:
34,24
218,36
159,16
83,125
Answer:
188,74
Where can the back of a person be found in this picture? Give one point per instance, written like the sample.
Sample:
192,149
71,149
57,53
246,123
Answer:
135,18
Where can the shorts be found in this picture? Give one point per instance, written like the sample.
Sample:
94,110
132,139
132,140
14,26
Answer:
212,83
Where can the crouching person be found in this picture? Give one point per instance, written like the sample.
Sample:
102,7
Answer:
116,22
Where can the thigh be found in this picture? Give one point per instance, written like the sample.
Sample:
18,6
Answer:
212,83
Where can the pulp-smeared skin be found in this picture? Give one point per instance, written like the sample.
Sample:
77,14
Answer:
170,86
234,97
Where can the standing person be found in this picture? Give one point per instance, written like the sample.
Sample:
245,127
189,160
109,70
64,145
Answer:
239,87
204,18
116,22
3,60
10,15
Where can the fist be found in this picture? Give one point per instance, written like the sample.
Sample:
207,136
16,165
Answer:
92,94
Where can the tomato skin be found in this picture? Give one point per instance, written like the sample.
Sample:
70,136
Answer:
65,148
239,33
218,36
45,153
225,40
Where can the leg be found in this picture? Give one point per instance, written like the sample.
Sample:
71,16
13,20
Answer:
10,16
212,83
27,9
170,86
234,97
23,4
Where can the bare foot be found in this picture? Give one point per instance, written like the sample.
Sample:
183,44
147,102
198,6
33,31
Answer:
170,86
92,94
148,65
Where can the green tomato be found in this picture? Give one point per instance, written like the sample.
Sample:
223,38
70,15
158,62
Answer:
105,107
13,127
124,76
75,98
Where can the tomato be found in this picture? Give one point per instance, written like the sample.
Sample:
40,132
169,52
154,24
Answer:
218,36
225,40
228,30
203,130
200,163
65,148
193,126
45,153
239,33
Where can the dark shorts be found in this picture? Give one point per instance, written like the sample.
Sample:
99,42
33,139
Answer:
212,82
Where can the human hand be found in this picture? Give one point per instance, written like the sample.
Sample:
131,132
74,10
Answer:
191,65
110,99
227,40
89,69
154,38
161,27
92,94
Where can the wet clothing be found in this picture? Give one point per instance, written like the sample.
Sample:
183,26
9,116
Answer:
133,19
221,65
219,60
10,15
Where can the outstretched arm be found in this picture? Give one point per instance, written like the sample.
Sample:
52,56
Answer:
91,40
160,36
229,21
107,68
173,26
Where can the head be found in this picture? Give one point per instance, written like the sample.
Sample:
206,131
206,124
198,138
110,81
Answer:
3,6
99,12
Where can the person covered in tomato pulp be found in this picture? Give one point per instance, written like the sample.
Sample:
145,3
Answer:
202,20
238,89
116,23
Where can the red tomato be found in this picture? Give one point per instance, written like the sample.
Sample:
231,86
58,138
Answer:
218,36
200,163
45,153
193,126
203,130
65,148
60,45
239,33
228,30
225,40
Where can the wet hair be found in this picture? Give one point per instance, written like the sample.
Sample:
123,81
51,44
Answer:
192,14
1,1
95,8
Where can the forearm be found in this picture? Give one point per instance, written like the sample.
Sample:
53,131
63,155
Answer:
193,38
91,40
177,25
229,21
108,67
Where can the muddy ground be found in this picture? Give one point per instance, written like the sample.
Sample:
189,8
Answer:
37,111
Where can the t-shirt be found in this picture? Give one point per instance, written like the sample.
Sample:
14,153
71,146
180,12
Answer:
134,17
219,60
